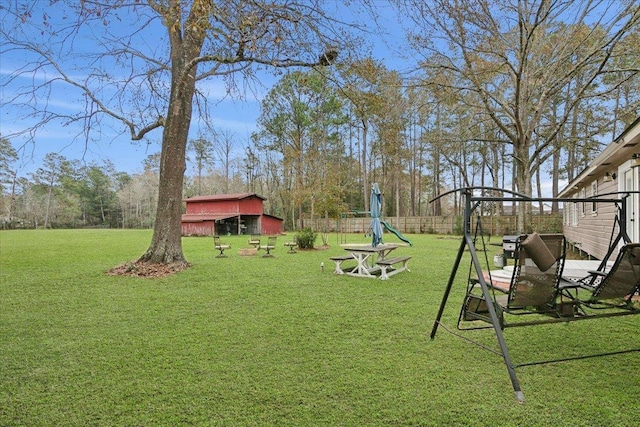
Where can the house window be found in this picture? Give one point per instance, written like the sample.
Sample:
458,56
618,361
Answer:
594,193
574,221
583,206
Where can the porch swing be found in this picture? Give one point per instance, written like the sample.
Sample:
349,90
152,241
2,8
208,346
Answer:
537,291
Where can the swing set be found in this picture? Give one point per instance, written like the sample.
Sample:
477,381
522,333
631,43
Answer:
537,292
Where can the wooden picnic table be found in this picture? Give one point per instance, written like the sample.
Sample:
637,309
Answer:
367,256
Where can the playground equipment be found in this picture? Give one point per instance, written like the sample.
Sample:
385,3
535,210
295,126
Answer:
399,235
377,223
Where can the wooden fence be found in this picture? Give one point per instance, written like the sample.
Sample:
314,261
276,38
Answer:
492,225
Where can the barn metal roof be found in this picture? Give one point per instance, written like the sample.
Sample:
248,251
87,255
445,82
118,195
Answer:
218,197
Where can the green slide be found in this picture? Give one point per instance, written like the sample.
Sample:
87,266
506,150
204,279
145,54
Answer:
396,232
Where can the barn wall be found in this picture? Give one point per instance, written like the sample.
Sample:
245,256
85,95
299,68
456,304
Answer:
250,206
271,225
250,209
246,206
204,228
212,207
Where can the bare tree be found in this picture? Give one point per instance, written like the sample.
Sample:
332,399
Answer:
201,148
362,87
223,147
48,177
144,65
518,56
8,178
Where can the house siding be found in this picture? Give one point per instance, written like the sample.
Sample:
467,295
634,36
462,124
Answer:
590,231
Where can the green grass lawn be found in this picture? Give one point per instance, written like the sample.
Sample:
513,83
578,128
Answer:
252,341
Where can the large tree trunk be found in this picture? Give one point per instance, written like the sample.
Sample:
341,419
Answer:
166,244
366,191
523,181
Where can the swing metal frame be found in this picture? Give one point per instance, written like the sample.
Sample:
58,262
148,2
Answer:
468,242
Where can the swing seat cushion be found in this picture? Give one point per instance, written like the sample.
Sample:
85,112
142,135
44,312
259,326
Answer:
538,252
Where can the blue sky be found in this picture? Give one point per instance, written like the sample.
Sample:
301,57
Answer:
233,117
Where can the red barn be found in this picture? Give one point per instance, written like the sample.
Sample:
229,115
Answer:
221,214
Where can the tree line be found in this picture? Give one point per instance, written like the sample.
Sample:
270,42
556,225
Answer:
323,138
502,93
67,193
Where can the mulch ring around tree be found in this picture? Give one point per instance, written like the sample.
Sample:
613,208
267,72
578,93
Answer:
148,270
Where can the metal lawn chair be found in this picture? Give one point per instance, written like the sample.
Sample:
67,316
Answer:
254,240
621,282
220,246
271,244
534,285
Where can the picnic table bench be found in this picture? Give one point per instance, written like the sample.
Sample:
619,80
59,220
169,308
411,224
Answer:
339,260
386,266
